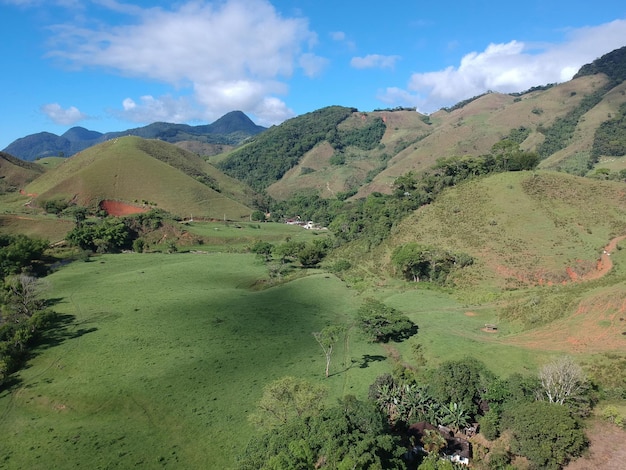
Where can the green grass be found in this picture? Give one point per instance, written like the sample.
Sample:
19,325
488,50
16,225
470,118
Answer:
449,330
221,236
165,358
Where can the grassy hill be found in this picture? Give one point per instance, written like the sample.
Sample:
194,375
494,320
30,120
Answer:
524,228
15,173
570,125
139,171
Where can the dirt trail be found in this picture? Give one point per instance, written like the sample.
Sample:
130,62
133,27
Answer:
605,264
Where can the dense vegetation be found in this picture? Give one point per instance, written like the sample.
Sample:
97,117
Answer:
559,134
23,313
613,65
270,155
378,432
610,137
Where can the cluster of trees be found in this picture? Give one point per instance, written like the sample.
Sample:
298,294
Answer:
366,137
112,234
280,257
540,415
418,262
23,313
350,434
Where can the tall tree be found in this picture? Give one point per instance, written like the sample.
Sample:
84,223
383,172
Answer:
561,380
327,338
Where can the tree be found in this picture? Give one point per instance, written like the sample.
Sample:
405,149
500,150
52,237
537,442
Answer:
18,252
78,213
382,323
433,441
24,298
545,433
312,254
463,382
327,338
289,249
455,416
409,260
287,398
561,380
263,249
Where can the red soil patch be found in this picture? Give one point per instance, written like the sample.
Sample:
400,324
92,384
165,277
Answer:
470,314
119,209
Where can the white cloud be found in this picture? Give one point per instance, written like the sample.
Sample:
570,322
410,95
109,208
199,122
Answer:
374,61
151,109
338,36
232,54
65,117
511,67
312,65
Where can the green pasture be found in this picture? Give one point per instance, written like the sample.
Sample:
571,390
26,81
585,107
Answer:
220,236
162,357
449,330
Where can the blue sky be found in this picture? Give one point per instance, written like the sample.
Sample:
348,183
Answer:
109,65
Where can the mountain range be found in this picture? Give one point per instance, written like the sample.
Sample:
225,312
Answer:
231,129
577,127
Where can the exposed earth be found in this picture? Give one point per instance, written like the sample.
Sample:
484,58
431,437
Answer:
121,209
606,449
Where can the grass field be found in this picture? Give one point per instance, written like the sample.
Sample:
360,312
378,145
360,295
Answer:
220,236
164,358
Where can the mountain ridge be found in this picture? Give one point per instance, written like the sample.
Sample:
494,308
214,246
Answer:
232,129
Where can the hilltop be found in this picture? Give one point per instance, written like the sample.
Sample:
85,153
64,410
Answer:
231,129
15,173
145,173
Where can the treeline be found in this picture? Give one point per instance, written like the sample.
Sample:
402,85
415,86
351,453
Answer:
559,134
274,152
24,315
370,219
613,65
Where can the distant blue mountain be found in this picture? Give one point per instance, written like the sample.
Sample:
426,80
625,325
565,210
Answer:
231,129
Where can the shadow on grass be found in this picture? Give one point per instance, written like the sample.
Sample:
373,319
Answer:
60,330
366,359
362,363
